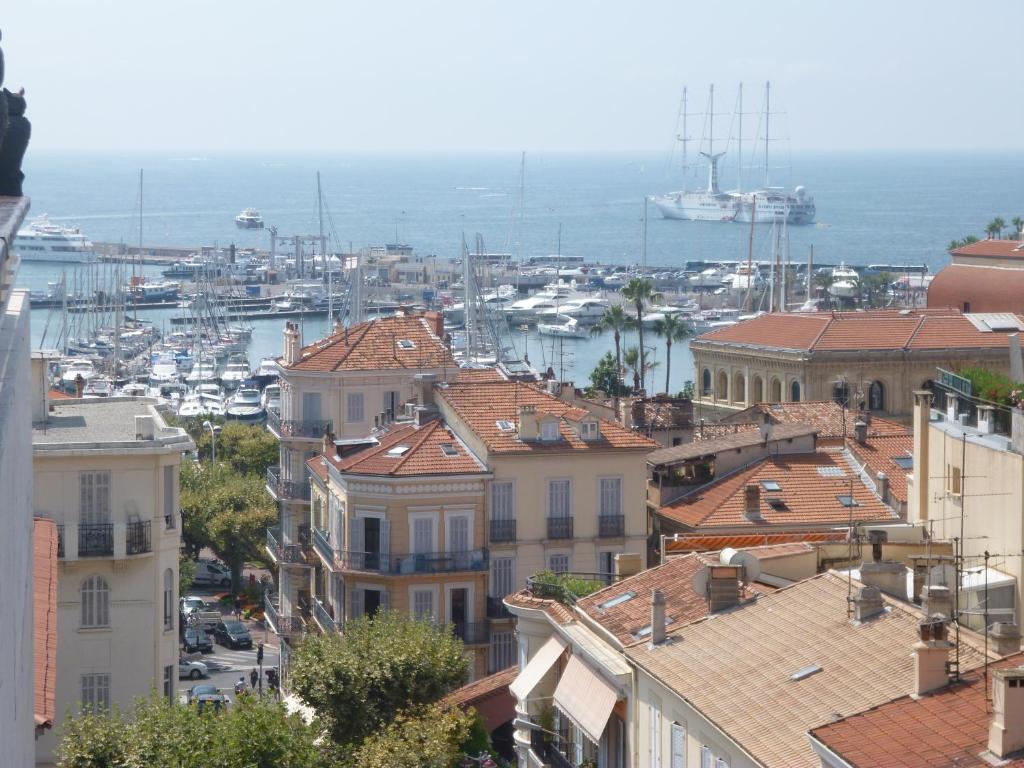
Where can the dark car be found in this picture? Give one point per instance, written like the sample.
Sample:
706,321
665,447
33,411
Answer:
233,634
196,639
203,689
214,701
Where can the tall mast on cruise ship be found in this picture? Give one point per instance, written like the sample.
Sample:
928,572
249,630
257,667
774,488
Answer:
710,154
767,118
739,142
684,138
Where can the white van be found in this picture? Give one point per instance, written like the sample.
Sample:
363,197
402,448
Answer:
208,572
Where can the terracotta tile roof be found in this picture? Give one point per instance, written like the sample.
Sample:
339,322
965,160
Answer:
703,542
427,450
852,331
948,727
879,453
473,693
810,484
992,249
374,345
482,404
736,666
742,439
673,578
44,634
826,416
558,613
317,465
467,375
985,289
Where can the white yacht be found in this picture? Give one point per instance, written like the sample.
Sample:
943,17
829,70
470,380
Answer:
271,398
42,240
164,369
845,282
588,309
563,326
246,407
250,218
712,277
98,386
551,296
74,367
203,370
236,372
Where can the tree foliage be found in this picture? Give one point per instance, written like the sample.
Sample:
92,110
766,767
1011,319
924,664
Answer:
253,732
640,292
615,320
428,737
247,448
606,376
390,663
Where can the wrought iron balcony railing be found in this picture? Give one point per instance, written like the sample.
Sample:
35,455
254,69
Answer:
324,618
137,538
96,540
282,625
559,527
287,490
471,633
503,530
297,428
283,553
414,563
322,546
610,526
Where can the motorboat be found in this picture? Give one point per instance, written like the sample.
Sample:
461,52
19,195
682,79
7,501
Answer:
236,372
271,398
250,218
845,282
98,386
246,406
563,326
551,296
195,405
707,279
74,367
170,394
202,370
164,368
588,309
43,240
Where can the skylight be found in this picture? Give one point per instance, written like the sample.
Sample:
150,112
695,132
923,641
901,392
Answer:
407,344
830,471
645,631
398,450
771,486
904,462
776,503
847,500
802,674
617,600
449,449
505,426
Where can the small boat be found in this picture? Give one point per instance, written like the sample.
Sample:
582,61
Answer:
164,369
203,370
250,218
74,367
133,389
98,387
236,372
563,326
272,397
246,407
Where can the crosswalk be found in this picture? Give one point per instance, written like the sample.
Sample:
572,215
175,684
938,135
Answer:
243,659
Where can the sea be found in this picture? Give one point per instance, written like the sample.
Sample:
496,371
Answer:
898,208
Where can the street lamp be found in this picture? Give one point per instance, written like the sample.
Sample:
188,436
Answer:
214,431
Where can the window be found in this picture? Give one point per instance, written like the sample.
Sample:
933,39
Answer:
707,757
423,604
617,600
170,513
502,576
558,563
904,462
876,396
954,481
654,715
678,745
398,451
407,344
501,501
354,407
610,496
311,406
606,563
391,402
169,683
847,500
705,382
549,431
459,535
423,535
96,692
505,426
772,486
559,498
449,449
94,498
794,392
169,599
841,393
95,602
502,650
590,430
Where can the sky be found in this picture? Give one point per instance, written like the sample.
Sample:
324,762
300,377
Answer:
483,75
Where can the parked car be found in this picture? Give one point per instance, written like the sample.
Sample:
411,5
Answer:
197,613
212,572
217,701
196,639
201,689
232,634
192,670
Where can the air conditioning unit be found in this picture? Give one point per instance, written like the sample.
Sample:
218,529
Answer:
410,409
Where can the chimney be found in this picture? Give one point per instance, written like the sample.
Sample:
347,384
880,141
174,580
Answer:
937,600
436,322
1006,733
931,655
628,564
867,603
723,587
292,343
860,430
890,576
766,427
638,413
882,486
529,424
1016,362
657,617
1005,638
752,501
922,416
79,386
327,447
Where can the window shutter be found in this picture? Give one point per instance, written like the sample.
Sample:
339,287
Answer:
458,534
357,544
654,714
357,603
169,512
678,746
103,497
385,545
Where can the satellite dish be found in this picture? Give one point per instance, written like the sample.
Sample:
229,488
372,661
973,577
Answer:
751,565
700,581
726,555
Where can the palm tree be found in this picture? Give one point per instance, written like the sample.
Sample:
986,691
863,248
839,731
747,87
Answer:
999,224
615,320
639,292
672,329
1018,225
631,359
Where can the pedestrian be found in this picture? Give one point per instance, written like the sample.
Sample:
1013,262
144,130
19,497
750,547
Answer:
254,676
238,608
240,686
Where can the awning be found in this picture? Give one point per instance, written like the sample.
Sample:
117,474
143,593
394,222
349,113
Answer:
585,698
537,667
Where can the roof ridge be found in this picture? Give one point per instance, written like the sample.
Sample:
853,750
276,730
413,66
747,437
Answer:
426,431
355,343
917,329
827,324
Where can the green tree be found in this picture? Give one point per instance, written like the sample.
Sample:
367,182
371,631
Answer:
254,732
1018,226
631,358
390,663
430,737
640,292
607,376
672,328
615,320
247,448
186,573
998,225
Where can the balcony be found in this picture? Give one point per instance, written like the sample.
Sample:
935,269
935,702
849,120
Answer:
414,563
302,429
559,527
324,618
281,552
96,540
611,526
471,633
137,538
282,625
286,490
503,531
322,546
496,608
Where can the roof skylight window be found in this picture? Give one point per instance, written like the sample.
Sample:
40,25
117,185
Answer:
904,462
803,674
771,486
505,426
645,631
398,450
617,600
847,501
830,471
407,344
449,449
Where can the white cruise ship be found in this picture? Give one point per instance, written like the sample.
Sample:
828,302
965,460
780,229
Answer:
42,240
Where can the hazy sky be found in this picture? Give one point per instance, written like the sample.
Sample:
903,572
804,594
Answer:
518,74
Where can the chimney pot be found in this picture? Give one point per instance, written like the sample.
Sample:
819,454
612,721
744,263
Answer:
890,576
79,386
752,501
882,486
931,655
867,603
657,617
860,430
1006,732
723,587
1005,638
937,600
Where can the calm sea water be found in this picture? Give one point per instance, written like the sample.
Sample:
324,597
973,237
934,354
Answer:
872,208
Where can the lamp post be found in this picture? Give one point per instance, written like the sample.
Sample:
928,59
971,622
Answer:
214,431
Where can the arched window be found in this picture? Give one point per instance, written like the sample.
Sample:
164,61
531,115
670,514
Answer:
794,392
776,393
95,602
705,382
876,396
756,389
739,388
169,598
722,391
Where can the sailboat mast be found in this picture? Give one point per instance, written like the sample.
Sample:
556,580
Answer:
685,138
739,144
767,119
320,220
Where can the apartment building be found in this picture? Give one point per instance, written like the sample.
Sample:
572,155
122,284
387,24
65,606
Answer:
106,471
349,384
16,603
398,523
